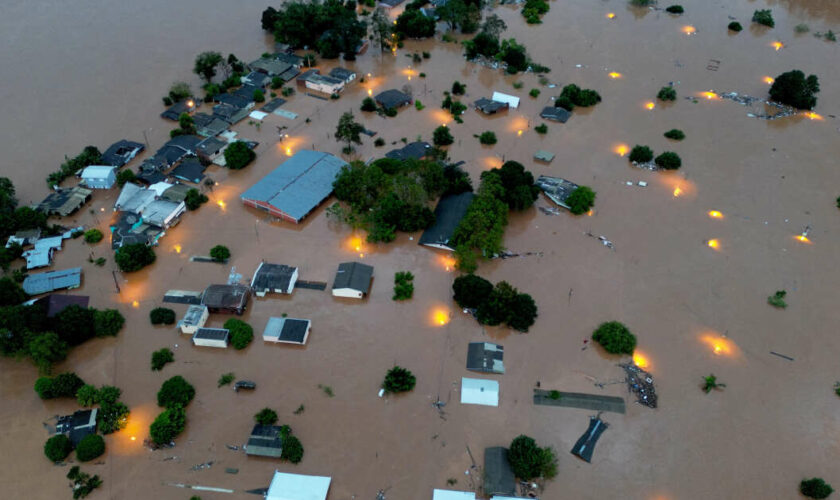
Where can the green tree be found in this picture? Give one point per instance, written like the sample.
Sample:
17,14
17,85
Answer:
107,323
523,312
514,55
125,176
186,123
487,138
90,447
258,96
615,338
668,161
266,416
529,461
179,91
470,291
399,379
380,27
668,93
675,134
176,391
518,188
238,155
75,324
442,136
112,415
735,26
134,256
764,17
87,395
206,63
292,450
348,131
414,24
93,236
162,316
497,308
403,285
194,199
168,425
161,357
640,154
45,349
794,89
675,9
219,253
815,488
581,200
11,294
710,382
368,104
241,333
58,447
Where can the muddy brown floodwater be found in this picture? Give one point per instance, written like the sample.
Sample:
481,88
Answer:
93,72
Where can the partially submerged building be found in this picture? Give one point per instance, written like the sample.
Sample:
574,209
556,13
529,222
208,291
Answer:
276,278
314,80
270,66
163,213
195,318
489,106
189,170
448,214
452,495
174,112
585,445
121,152
77,426
129,228
295,188
265,441
64,202
511,100
485,357
287,330
55,303
211,337
285,486
230,113
555,113
99,176
498,475
231,299
36,284
478,391
209,125
414,150
209,149
42,253
343,74
353,280
556,189
393,98
257,79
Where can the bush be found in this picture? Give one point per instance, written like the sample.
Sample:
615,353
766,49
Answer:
581,200
219,253
815,488
379,142
403,285
529,461
458,88
83,483
471,291
258,95
93,236
668,160
801,28
112,415
45,349
11,294
64,385
615,338
764,17
640,154
107,323
442,136
238,155
399,379
176,391
125,176
534,93
542,129
777,300
578,97
390,112
241,333
292,450
58,447
87,395
162,316
487,138
226,379
675,9
161,357
368,104
266,416
667,94
517,185
90,447
735,26
794,89
168,425
675,134
134,257
194,199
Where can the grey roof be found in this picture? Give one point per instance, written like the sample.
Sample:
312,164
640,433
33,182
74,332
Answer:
555,113
269,66
299,184
134,198
247,92
557,189
121,152
273,104
234,100
193,315
229,113
290,59
543,155
174,111
485,357
392,98
210,146
342,74
187,143
36,284
226,296
353,275
176,193
585,445
158,211
190,170
390,3
256,78
287,329
82,423
415,150
289,74
213,128
65,201
489,106
265,441
272,276
498,475
315,76
211,334
448,214
130,229
55,303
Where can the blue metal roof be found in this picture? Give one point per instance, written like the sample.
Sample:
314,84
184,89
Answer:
35,284
299,184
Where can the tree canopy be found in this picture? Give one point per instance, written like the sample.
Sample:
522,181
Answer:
58,447
349,130
815,488
266,416
134,257
615,338
176,391
414,24
238,155
64,385
581,200
529,461
90,447
241,333
206,63
399,379
162,316
220,253
794,89
332,26
518,189
168,425
471,290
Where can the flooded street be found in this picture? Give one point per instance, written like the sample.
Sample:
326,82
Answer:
94,73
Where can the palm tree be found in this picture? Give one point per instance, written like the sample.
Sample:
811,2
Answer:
710,383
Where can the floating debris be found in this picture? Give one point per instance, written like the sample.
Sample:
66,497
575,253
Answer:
205,465
640,382
748,100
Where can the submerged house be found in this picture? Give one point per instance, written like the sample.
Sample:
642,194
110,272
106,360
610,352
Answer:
256,79
343,74
558,190
498,475
77,426
55,303
414,150
174,112
489,106
270,66
230,113
195,318
555,113
99,176
478,391
511,100
276,278
485,357
352,280
36,284
209,125
209,149
129,228
314,80
265,441
285,486
393,98
287,330
448,214
231,299
42,253
452,495
295,188
189,170
121,152
211,337
64,202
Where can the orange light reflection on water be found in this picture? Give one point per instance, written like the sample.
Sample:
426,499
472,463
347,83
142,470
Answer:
714,214
777,45
621,149
689,30
650,105
713,244
718,344
440,316
641,360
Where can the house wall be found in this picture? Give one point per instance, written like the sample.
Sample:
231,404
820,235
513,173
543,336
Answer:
175,214
261,205
347,292
191,329
102,182
209,343
293,281
325,88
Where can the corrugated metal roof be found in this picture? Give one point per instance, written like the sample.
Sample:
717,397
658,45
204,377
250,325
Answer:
285,486
452,495
448,214
299,184
353,275
476,391
36,284
97,172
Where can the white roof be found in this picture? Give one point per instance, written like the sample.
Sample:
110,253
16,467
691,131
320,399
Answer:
97,172
511,100
477,391
258,115
48,243
452,495
497,497
160,187
297,487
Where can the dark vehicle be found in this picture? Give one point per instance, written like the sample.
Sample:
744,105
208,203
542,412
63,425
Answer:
244,384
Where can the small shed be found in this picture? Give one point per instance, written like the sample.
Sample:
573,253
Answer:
287,330
544,156
556,113
393,98
489,106
231,299
211,337
265,441
353,280
452,495
510,100
477,391
195,318
485,357
498,475
585,445
276,278
285,486
99,176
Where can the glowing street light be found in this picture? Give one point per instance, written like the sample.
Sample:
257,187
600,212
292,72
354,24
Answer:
777,45
813,116
714,214
621,149
640,360
221,204
713,244
677,191
440,317
768,80
650,105
615,75
689,30
135,304
710,95
177,248
610,15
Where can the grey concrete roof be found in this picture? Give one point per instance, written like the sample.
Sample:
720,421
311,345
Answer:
158,211
485,357
36,284
415,150
392,98
225,296
287,329
448,214
265,441
353,275
498,475
557,189
212,334
489,106
342,74
271,67
193,315
299,184
272,276
556,114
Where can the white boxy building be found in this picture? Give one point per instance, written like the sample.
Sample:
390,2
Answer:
99,176
194,319
211,337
